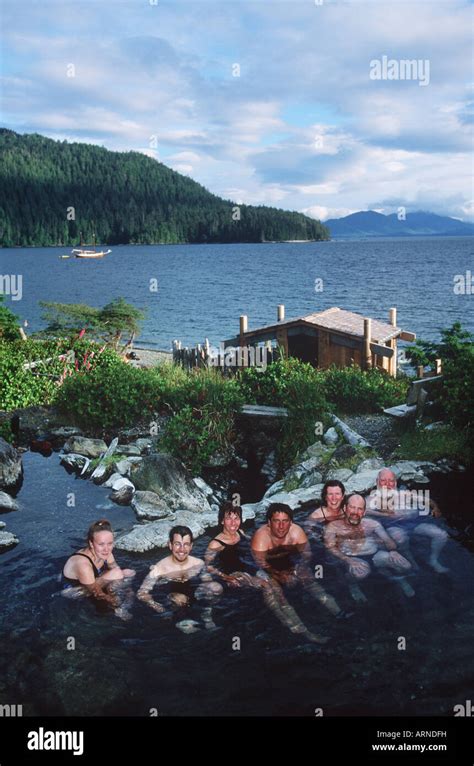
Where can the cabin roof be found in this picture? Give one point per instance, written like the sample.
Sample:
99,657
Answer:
338,320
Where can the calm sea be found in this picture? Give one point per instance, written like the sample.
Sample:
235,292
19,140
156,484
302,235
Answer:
192,292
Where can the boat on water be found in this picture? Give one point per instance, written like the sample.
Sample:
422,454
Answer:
65,256
81,253
85,251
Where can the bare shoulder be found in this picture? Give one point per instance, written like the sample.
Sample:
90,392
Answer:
215,545
261,539
160,568
195,562
316,514
297,534
371,525
333,529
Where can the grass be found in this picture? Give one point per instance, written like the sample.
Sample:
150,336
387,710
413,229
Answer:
445,442
291,484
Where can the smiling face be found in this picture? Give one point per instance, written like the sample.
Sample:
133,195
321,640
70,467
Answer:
386,479
334,496
355,509
180,548
102,544
231,522
279,524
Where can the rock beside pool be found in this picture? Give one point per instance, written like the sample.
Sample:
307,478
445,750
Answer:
8,540
73,462
341,474
124,467
188,626
331,437
102,472
122,491
362,482
11,467
155,534
168,478
7,503
147,505
80,445
128,449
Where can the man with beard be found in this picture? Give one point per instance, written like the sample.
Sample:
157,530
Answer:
357,541
397,506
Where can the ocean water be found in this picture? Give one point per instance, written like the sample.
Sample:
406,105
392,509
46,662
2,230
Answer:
201,290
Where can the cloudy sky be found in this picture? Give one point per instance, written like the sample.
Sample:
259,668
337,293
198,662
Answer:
266,101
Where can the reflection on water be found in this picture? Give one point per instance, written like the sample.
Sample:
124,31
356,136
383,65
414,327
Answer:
63,657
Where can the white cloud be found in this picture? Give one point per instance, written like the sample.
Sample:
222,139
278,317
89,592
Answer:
302,125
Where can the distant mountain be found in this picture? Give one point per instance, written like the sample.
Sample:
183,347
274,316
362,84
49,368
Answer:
52,191
371,224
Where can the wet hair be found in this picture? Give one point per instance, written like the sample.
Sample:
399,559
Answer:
278,508
102,525
180,530
332,483
354,494
229,507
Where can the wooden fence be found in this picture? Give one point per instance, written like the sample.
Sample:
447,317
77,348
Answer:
227,359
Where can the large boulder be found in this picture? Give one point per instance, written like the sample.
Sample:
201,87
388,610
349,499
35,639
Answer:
7,503
80,445
124,466
155,534
331,437
8,540
10,465
168,478
122,491
362,482
128,449
147,505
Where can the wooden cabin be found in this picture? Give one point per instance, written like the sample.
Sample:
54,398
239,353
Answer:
334,336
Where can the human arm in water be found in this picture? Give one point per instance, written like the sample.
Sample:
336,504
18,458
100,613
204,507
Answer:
235,579
116,571
357,567
144,592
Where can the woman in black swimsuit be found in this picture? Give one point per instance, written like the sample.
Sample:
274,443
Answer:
224,556
332,500
94,566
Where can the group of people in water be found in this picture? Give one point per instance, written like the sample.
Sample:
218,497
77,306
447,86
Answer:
281,555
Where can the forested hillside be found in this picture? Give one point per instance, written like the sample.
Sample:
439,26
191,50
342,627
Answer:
52,191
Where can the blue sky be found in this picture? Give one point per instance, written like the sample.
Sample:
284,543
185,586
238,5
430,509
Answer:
264,102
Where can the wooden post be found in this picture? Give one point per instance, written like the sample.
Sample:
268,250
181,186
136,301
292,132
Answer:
280,312
438,366
367,338
392,363
420,371
243,328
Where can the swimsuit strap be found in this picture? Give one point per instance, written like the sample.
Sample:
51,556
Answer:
96,571
227,545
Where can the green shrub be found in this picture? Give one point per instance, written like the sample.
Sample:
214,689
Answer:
205,405
297,386
351,389
109,396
